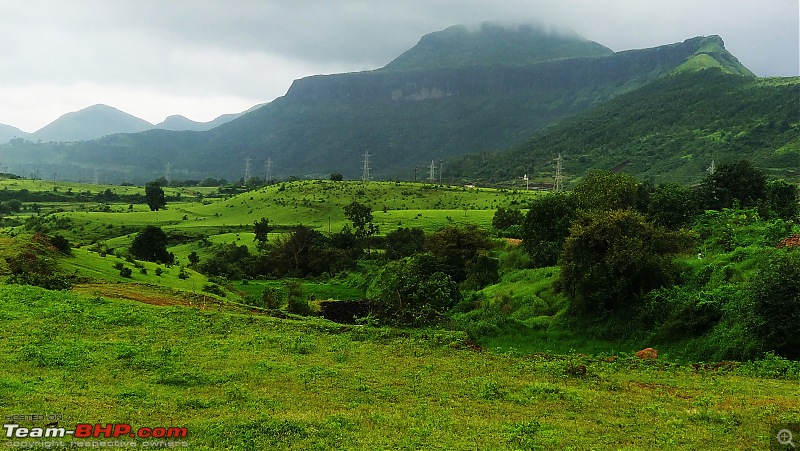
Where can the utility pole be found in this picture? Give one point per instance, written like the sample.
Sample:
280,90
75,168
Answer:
441,170
365,171
416,168
96,177
432,173
559,181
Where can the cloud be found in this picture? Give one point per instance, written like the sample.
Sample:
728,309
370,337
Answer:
251,50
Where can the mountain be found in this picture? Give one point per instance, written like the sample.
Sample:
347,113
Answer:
8,132
89,123
181,123
494,45
668,131
414,110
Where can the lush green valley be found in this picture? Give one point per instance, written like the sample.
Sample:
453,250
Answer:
470,337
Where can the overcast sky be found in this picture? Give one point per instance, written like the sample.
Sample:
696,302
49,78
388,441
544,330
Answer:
203,58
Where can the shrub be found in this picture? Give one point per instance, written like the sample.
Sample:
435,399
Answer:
126,272
775,297
611,258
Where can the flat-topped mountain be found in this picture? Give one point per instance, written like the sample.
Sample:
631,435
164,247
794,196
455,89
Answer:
423,106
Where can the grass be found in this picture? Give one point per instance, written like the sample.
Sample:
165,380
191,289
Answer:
242,381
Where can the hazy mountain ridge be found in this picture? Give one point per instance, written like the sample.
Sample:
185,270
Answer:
90,123
494,45
404,118
8,132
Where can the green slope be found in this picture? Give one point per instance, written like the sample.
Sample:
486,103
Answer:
670,130
492,45
404,118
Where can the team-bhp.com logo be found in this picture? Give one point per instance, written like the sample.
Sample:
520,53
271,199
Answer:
86,430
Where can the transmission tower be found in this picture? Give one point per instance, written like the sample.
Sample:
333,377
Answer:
269,169
432,173
558,185
365,171
246,169
711,169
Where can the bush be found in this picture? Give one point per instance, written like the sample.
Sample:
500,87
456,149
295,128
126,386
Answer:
414,291
611,258
214,289
775,297
126,272
296,303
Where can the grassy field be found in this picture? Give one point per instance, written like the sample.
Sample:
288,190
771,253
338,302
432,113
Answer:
242,381
157,349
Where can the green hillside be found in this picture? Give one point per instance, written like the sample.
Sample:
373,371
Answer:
403,118
493,45
669,130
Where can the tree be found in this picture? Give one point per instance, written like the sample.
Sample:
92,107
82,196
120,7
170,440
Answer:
672,205
611,258
506,217
602,190
404,242
775,302
413,291
155,196
733,183
458,248
361,217
151,245
261,229
782,198
546,226
194,259
337,177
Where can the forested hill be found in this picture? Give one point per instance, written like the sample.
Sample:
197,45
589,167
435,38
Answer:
405,115
670,130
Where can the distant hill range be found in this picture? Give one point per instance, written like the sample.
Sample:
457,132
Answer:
98,121
458,91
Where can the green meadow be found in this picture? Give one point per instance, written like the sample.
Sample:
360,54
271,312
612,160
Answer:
245,381
166,345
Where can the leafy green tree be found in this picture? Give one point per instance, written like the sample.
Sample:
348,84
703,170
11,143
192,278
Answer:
734,183
361,217
672,205
782,198
155,196
611,258
775,302
546,226
151,245
601,190
261,229
194,259
337,177
413,291
506,217
457,247
404,242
